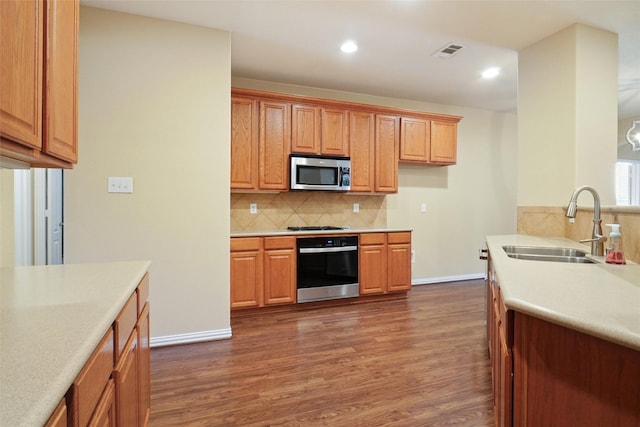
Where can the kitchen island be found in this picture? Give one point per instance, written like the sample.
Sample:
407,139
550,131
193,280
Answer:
564,338
52,320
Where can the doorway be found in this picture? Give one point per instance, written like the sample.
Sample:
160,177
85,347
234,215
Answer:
38,210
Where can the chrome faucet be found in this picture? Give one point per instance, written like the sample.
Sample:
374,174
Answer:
597,238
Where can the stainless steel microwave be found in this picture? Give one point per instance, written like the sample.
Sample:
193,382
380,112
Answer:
322,173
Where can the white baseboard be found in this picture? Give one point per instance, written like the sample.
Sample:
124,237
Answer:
192,337
461,277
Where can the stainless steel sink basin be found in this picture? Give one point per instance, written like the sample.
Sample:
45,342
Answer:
553,254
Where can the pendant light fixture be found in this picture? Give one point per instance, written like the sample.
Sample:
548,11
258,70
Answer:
633,135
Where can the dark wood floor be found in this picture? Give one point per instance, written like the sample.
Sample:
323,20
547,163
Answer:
421,361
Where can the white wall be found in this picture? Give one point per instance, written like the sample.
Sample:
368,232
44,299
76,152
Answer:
465,202
155,106
7,244
567,116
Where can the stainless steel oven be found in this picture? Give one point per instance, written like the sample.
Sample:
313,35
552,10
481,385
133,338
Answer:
327,268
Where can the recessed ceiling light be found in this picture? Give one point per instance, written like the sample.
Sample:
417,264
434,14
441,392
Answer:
349,46
491,73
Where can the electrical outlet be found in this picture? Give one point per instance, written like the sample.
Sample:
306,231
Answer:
120,184
356,207
253,208
423,208
413,256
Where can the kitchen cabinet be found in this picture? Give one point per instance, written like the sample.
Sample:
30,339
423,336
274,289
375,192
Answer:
444,137
385,263
547,374
387,145
361,142
114,386
499,352
59,416
260,144
376,138
274,145
263,271
279,270
319,130
246,272
38,91
244,143
428,141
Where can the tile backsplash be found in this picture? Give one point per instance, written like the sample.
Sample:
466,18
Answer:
281,210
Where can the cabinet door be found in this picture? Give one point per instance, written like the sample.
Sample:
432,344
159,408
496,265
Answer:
279,276
275,145
246,278
399,267
144,367
387,147
61,76
305,125
105,413
59,416
244,143
443,142
21,33
373,269
362,148
125,377
335,132
415,139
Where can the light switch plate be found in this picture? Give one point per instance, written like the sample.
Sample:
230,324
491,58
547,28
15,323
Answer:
120,184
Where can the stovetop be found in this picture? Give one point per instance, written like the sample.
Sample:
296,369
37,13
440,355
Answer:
314,228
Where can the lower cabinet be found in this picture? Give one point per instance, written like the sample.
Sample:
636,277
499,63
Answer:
113,388
385,263
263,271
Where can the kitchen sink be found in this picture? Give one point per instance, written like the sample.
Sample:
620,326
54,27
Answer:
543,253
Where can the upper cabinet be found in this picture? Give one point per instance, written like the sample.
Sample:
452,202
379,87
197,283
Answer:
38,91
266,127
428,141
319,130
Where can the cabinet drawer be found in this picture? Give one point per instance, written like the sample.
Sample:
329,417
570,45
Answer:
124,324
373,238
402,237
279,242
90,383
143,292
245,244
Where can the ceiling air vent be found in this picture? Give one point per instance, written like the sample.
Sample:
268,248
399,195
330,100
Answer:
447,50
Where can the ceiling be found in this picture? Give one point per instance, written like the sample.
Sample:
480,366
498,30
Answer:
297,42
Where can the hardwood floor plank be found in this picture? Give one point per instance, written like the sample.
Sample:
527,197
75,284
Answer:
419,361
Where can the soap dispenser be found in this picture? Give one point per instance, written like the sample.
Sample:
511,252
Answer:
615,254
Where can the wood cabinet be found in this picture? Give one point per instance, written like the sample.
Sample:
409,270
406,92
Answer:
263,271
59,416
246,272
444,137
38,90
385,263
361,142
244,143
547,374
274,145
500,352
376,138
428,141
335,132
114,387
260,144
387,146
279,270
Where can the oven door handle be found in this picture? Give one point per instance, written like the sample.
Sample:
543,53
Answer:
325,250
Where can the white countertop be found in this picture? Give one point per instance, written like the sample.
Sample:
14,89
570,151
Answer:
52,319
285,232
600,299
